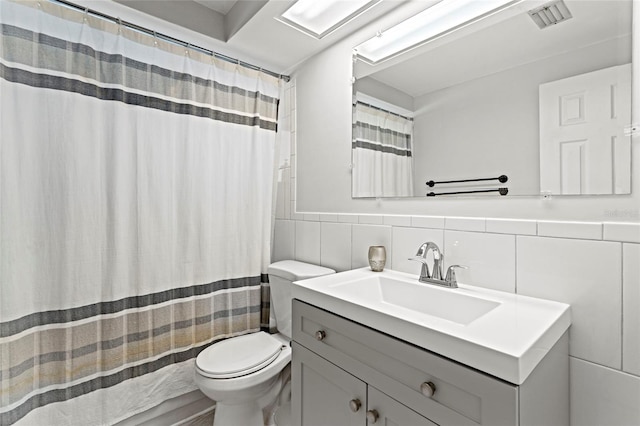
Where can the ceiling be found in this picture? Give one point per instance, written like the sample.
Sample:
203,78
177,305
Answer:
220,6
248,28
501,44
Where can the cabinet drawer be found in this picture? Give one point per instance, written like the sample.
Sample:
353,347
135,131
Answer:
463,396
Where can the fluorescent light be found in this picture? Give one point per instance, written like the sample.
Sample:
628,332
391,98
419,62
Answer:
321,17
440,19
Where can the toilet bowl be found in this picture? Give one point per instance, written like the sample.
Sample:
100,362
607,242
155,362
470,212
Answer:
244,374
242,386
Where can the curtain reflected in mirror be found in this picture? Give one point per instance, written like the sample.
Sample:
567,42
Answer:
381,148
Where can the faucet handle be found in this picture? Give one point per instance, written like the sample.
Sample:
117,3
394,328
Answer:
451,274
424,272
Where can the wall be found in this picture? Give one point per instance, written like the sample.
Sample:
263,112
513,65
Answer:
383,92
583,251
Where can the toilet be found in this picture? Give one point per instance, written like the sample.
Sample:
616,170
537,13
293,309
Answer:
247,375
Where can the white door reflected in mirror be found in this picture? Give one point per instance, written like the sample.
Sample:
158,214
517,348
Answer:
583,146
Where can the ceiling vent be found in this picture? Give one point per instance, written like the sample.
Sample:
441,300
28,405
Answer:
550,14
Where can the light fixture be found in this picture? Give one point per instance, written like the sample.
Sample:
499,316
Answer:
319,18
436,21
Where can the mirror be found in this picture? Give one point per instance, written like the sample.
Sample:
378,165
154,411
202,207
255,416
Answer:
548,108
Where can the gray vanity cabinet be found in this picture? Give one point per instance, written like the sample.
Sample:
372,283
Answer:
344,373
385,410
326,395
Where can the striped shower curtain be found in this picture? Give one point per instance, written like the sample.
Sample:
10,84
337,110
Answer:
381,153
135,209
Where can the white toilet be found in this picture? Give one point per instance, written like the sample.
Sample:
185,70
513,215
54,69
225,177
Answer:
245,374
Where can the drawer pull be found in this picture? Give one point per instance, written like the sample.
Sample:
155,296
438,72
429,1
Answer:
355,405
428,389
372,416
320,335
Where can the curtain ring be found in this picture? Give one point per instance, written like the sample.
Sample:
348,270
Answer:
85,18
155,38
186,51
119,25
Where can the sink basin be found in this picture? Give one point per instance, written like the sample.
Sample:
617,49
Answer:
503,334
423,299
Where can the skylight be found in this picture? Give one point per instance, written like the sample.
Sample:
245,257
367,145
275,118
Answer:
319,18
431,23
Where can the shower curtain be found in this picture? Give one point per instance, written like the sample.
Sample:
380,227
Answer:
381,153
135,209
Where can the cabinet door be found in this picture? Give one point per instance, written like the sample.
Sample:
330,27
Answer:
323,394
385,411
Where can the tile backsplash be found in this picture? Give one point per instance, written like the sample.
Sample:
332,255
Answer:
595,267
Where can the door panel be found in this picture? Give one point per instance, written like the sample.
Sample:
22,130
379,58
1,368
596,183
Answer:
392,413
583,146
321,392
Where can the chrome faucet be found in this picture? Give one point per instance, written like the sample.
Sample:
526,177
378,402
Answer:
438,259
421,256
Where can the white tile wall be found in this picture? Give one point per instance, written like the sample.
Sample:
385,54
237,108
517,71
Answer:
371,219
284,241
480,253
406,242
307,239
587,275
335,252
512,226
584,230
436,222
631,309
628,232
601,396
348,218
328,217
285,144
465,223
600,279
397,220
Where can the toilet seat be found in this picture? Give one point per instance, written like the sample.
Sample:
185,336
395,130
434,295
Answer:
238,356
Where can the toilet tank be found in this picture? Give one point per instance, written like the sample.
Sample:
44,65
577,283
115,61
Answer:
281,275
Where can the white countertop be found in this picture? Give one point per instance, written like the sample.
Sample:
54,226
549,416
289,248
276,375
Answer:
507,342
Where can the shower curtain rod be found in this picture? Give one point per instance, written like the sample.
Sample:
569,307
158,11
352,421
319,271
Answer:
170,39
384,110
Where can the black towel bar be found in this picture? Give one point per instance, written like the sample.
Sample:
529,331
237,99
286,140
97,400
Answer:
502,191
501,179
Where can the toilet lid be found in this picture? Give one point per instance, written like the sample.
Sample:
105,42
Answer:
239,356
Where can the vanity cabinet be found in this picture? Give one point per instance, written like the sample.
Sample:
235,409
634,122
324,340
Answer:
344,373
328,395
